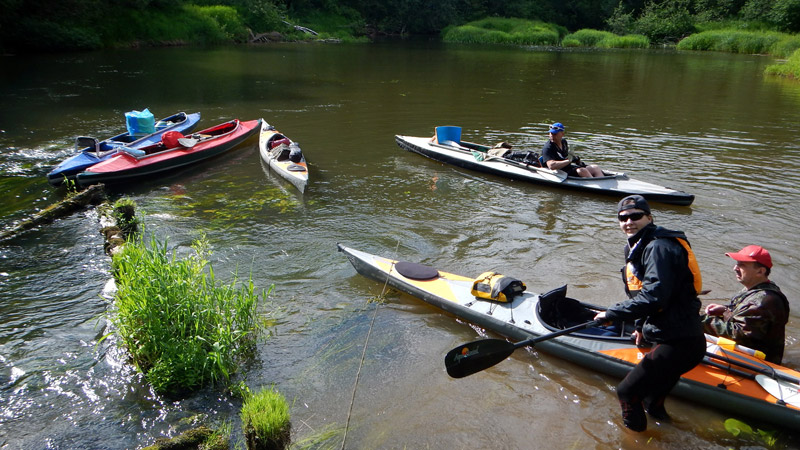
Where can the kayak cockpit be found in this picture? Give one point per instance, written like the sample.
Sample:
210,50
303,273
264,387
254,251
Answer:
556,311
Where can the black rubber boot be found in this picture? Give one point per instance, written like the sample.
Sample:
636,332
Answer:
656,409
633,416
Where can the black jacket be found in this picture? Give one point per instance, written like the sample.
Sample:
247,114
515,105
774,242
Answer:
666,307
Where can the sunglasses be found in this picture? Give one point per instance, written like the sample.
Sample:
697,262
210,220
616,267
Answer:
633,216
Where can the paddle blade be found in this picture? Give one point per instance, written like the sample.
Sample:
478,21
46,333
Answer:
473,357
782,390
187,142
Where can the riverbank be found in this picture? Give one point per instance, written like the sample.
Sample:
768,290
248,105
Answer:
714,37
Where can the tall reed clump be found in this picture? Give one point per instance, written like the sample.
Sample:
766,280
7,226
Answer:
181,327
604,39
265,420
789,69
498,30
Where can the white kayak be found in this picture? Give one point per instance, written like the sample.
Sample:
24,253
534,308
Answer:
475,157
283,155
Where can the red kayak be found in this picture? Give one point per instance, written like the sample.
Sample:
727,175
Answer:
172,152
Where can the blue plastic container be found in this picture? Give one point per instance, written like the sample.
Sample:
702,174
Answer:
448,134
140,123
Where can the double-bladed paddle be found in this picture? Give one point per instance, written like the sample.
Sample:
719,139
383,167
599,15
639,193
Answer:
556,176
475,356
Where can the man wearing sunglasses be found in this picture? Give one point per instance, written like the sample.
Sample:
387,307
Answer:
662,281
756,317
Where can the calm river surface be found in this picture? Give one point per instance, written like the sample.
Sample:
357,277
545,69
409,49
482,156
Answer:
709,124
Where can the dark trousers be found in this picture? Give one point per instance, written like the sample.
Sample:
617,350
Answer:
655,375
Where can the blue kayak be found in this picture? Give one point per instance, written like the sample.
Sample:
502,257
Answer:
90,151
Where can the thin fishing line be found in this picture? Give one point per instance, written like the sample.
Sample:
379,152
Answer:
364,350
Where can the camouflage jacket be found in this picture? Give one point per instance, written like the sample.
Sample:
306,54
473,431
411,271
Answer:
755,318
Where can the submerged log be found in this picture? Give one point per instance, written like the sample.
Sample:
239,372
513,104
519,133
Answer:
90,196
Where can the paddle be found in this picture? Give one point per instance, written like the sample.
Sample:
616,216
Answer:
765,370
556,176
475,356
775,384
188,142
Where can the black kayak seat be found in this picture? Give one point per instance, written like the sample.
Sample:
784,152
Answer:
561,312
416,271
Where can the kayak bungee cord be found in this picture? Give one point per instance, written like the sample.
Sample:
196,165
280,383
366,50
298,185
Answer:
364,350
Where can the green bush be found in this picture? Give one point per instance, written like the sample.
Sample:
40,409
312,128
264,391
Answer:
496,30
665,22
181,327
226,19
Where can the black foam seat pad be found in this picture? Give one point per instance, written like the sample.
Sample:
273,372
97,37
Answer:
416,271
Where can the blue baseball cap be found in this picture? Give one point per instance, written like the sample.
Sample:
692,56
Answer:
556,127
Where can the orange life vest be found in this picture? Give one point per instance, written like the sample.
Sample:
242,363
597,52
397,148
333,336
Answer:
634,284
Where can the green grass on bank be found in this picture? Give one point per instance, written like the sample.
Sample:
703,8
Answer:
736,40
182,328
497,30
789,69
742,41
604,39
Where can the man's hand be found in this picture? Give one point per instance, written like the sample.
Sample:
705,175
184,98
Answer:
637,337
601,318
715,309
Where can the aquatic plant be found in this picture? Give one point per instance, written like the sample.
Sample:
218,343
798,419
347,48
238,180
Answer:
265,420
741,429
124,213
180,326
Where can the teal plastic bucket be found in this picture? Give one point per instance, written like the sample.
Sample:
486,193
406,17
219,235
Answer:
448,134
140,123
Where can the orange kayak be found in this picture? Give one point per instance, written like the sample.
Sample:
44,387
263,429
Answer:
730,378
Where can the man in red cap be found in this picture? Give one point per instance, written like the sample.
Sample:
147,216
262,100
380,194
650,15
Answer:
756,317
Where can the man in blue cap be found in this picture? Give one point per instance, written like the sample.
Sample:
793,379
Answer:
662,281
556,156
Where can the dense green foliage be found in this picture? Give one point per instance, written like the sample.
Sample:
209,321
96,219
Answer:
55,25
181,327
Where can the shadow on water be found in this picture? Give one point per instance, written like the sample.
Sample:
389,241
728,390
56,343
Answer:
709,124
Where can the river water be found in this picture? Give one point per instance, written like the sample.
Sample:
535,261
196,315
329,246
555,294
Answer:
710,124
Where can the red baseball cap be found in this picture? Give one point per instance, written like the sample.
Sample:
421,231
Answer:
753,253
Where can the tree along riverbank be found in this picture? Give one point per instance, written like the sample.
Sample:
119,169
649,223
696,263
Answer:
746,26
